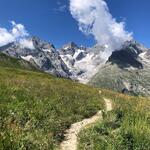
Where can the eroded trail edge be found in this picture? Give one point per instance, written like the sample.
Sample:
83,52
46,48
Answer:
71,136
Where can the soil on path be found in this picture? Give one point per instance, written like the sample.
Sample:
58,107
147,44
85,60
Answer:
71,136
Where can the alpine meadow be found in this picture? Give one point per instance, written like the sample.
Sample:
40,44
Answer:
78,78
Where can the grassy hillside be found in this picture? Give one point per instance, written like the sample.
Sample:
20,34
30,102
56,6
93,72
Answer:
36,108
127,127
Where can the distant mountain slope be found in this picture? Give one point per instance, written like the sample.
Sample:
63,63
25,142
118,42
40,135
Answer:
38,52
7,61
127,70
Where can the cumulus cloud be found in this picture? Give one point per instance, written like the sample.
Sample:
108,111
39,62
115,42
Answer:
17,32
94,18
5,37
26,43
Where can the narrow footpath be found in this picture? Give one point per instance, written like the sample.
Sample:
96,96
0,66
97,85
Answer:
71,136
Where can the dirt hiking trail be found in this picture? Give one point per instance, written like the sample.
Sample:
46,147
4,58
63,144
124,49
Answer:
71,136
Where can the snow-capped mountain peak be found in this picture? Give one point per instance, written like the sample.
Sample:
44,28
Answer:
70,45
76,62
82,62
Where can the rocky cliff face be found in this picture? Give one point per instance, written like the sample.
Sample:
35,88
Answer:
83,62
127,70
38,52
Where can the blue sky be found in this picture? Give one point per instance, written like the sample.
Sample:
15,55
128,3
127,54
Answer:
52,21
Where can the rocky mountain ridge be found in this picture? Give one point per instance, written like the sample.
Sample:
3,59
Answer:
127,70
87,65
41,53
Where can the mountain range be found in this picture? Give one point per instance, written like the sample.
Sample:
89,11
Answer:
125,70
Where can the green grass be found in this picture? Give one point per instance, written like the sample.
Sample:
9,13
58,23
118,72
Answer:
36,108
127,127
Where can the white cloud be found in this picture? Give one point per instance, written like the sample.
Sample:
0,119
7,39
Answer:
94,18
5,37
26,43
60,7
17,32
